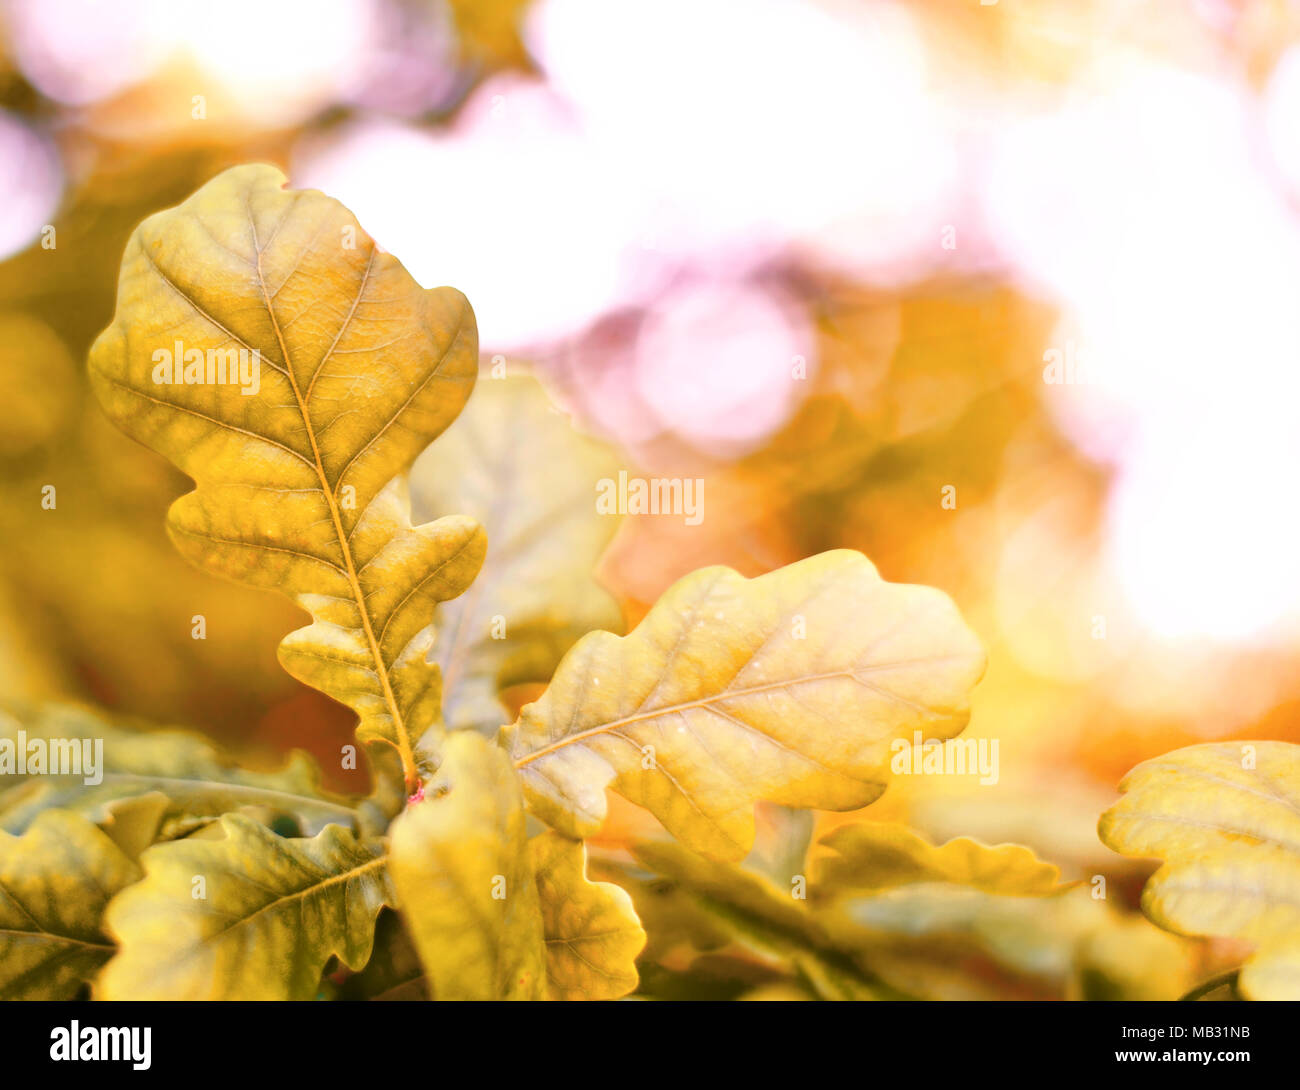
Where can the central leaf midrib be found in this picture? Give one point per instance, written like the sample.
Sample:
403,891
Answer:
701,702
405,749
297,894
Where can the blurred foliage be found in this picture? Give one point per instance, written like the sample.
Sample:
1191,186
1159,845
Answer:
915,387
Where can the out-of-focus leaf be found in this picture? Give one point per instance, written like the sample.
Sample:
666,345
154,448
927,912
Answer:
776,993
251,916
489,31
1273,973
1225,820
930,939
781,845
199,782
876,856
790,687
38,384
673,923
516,465
394,972
965,920
744,889
464,879
944,941
55,881
136,823
300,472
1013,813
1123,956
743,909
591,929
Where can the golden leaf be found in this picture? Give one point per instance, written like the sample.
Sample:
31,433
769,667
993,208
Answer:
943,940
591,929
1225,819
516,465
315,371
878,856
925,929
789,687
464,879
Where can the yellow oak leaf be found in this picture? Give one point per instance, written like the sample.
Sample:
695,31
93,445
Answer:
791,687
869,855
516,464
464,879
711,905
898,930
591,930
268,347
1225,820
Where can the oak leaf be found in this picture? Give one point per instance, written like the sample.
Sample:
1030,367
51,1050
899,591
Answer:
516,464
709,905
464,879
495,914
791,687
197,781
895,930
268,347
55,882
1225,820
591,930
879,856
250,916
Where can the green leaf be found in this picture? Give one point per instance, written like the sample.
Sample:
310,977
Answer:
515,464
250,916
299,473
55,881
199,782
790,687
591,930
464,879
1225,819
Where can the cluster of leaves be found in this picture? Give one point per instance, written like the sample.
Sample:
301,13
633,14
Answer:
887,915
175,879
475,868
